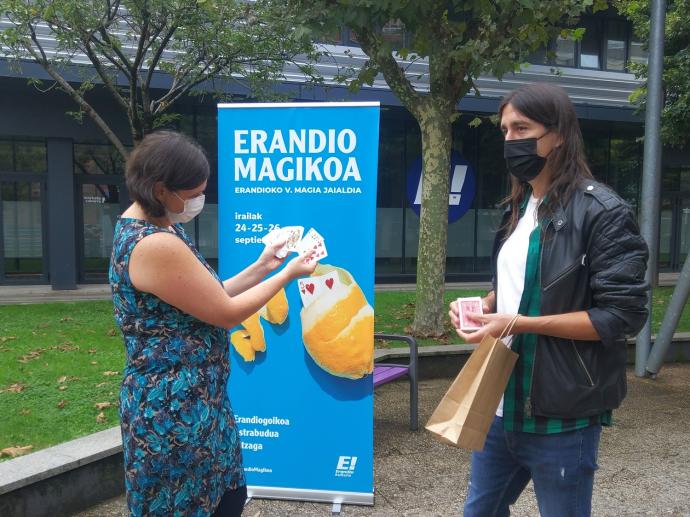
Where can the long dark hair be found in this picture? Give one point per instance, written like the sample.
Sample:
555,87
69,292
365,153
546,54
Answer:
549,105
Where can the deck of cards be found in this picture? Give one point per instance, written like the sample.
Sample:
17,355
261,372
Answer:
468,306
292,235
314,286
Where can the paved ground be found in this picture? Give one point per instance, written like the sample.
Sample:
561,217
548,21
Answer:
644,459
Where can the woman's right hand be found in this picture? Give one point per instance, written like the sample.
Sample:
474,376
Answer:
302,265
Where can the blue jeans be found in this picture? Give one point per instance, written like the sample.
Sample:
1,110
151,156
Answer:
560,465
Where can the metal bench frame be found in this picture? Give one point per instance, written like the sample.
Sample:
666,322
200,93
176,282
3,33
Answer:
387,372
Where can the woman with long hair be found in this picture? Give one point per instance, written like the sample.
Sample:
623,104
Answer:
569,261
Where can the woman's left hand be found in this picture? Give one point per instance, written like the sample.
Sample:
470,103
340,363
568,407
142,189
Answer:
268,260
492,325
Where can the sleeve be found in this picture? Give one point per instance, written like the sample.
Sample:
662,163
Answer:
618,262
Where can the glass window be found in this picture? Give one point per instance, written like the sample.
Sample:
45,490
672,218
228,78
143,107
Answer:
394,32
564,52
638,54
30,157
100,209
391,189
22,228
589,45
6,156
94,159
625,166
615,45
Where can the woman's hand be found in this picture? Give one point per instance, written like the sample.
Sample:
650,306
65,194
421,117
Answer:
268,261
492,324
303,265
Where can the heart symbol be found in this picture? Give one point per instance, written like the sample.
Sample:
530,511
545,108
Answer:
310,288
329,283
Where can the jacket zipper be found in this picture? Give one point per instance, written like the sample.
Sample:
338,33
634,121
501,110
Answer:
582,363
566,272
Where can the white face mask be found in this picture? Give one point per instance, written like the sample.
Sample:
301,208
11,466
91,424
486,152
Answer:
192,208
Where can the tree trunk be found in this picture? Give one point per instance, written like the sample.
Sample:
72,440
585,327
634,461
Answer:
435,125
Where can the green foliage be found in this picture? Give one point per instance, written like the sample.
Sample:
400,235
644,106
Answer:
460,40
675,116
128,41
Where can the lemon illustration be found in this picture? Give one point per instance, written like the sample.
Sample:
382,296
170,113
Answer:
338,327
251,338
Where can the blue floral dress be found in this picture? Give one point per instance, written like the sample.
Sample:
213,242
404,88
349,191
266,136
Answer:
181,446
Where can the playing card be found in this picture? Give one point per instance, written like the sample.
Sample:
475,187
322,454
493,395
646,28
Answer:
291,235
312,287
309,289
470,305
313,241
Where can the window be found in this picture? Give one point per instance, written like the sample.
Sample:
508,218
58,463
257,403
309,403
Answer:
605,45
23,156
97,159
564,52
615,45
638,54
589,45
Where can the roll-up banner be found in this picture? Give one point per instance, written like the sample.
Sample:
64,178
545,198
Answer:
301,380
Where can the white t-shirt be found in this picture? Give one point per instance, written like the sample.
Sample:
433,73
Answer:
510,268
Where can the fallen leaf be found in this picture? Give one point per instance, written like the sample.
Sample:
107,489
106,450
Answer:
62,388
14,388
101,384
43,325
13,452
62,379
100,418
92,350
25,411
94,362
62,404
66,318
67,346
112,332
110,373
34,354
7,338
104,405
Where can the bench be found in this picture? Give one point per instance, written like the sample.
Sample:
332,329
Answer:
387,372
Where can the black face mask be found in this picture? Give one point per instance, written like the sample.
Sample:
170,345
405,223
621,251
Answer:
522,159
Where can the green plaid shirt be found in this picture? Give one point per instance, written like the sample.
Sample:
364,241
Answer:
517,406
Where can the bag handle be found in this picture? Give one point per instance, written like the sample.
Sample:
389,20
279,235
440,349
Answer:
509,327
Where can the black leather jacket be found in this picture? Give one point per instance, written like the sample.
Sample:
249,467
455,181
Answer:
594,259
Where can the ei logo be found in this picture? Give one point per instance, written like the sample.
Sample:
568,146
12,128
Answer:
463,186
346,466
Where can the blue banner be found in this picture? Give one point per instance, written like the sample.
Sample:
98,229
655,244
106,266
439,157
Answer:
301,384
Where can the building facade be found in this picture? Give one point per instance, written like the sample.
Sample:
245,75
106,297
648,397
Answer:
62,185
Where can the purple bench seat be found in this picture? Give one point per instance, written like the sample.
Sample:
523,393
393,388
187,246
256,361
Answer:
387,372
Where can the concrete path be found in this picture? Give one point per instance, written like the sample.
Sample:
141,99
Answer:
644,459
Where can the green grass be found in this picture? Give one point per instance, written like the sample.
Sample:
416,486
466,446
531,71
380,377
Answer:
57,353
46,347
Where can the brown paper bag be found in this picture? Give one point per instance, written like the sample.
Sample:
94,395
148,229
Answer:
466,411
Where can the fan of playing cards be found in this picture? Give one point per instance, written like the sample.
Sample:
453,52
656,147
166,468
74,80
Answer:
294,241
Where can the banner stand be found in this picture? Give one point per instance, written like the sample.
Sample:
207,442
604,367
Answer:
301,383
